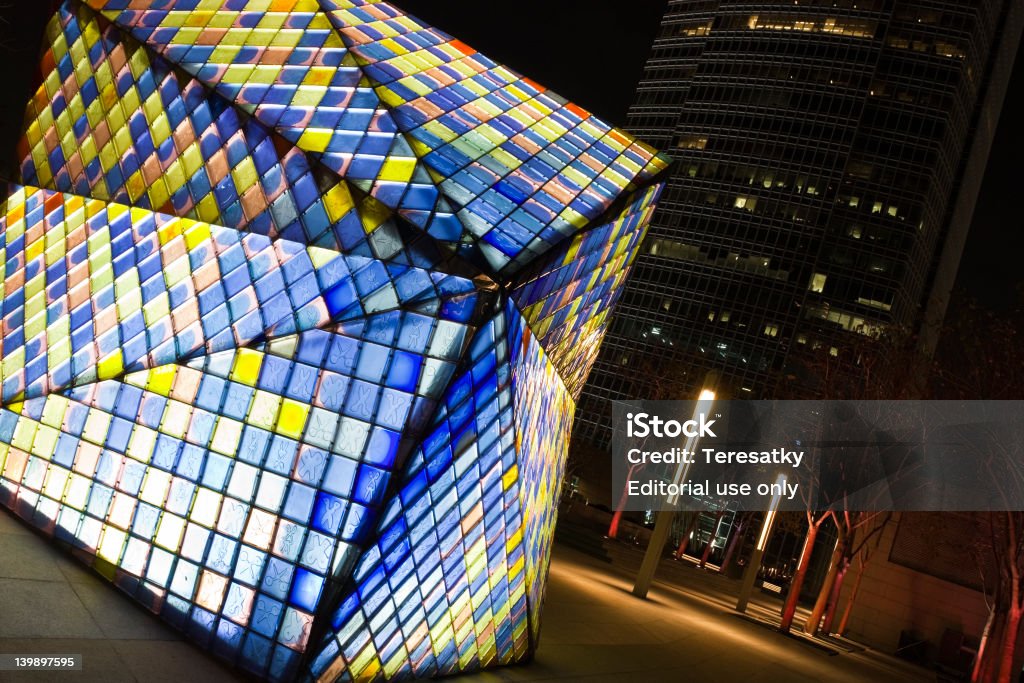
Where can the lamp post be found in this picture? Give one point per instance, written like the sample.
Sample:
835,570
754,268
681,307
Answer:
750,575
663,518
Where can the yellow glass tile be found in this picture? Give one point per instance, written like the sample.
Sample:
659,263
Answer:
156,309
575,176
111,366
394,46
417,86
126,283
309,95
321,22
223,19
129,303
197,17
58,344
174,176
474,88
52,84
393,665
420,149
153,106
505,159
519,116
63,125
319,75
513,541
197,234
314,139
32,134
160,129
13,363
76,108
442,131
174,19
103,275
136,186
138,63
366,665
515,570
441,633
88,150
574,218
108,157
35,326
207,209
264,73
238,73
244,175
246,369
225,52
273,20
292,418
45,441
177,270
42,165
24,433
509,478
397,169
389,97
53,411
103,75
192,158
187,35
130,102
491,135
373,213
338,201
160,379
33,250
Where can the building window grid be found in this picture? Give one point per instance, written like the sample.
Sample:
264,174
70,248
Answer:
892,143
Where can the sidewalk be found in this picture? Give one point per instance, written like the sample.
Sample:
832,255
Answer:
51,603
593,629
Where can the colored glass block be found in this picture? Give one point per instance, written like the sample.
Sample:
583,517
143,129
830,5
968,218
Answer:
567,296
297,299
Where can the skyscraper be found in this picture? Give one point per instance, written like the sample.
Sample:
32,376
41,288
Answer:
827,156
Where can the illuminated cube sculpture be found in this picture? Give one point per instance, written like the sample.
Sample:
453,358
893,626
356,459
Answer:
298,299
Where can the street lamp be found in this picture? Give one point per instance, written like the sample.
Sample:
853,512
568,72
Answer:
750,575
663,519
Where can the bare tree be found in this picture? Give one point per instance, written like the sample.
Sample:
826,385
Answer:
980,357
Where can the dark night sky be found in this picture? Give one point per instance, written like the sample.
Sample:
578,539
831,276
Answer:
592,52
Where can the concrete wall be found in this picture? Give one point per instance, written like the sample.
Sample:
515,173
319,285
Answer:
893,598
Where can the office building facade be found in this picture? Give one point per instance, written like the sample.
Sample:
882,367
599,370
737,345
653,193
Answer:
827,160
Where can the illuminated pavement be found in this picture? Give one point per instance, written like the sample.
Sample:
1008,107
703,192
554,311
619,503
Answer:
593,629
52,604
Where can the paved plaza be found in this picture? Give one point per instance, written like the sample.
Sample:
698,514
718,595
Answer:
594,630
